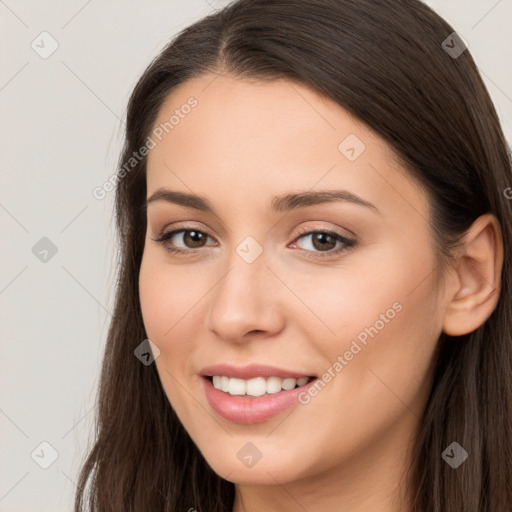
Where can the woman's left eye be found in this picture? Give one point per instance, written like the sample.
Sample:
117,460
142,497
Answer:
325,242
322,243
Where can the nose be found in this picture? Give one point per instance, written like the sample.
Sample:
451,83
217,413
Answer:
247,301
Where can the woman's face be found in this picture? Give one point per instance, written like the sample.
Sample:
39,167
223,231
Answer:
340,288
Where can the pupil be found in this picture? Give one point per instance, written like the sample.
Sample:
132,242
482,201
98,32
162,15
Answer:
195,236
321,239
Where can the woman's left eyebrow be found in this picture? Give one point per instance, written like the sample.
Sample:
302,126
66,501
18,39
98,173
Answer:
282,203
291,201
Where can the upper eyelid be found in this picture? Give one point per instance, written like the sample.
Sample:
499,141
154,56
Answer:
178,229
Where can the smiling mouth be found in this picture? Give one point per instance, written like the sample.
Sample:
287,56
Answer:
257,386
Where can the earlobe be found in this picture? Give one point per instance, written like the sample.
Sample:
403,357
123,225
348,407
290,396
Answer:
474,296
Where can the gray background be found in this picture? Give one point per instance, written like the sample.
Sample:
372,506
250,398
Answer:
61,134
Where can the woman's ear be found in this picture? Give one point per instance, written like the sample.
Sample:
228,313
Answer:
478,278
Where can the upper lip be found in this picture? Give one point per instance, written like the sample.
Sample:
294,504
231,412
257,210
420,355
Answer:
250,371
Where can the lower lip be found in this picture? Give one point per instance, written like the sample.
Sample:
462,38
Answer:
244,409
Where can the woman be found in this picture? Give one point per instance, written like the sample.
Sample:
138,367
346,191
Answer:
315,236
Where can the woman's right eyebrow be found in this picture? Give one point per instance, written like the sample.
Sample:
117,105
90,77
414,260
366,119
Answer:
181,198
282,203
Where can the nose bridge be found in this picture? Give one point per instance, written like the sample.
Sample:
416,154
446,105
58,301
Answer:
241,301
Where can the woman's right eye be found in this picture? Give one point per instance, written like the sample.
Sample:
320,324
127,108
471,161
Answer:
190,237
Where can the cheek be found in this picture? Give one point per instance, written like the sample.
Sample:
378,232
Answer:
381,316
173,300
168,296
374,281
155,302
391,374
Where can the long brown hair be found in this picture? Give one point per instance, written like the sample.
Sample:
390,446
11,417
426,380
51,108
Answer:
385,62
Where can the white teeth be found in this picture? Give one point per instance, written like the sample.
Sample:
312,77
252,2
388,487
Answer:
224,382
236,386
273,385
288,383
257,386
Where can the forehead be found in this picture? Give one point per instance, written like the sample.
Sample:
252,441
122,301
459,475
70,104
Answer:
254,117
265,138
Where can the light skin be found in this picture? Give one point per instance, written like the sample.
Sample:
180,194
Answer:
245,142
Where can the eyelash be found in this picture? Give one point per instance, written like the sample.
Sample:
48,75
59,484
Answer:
347,243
